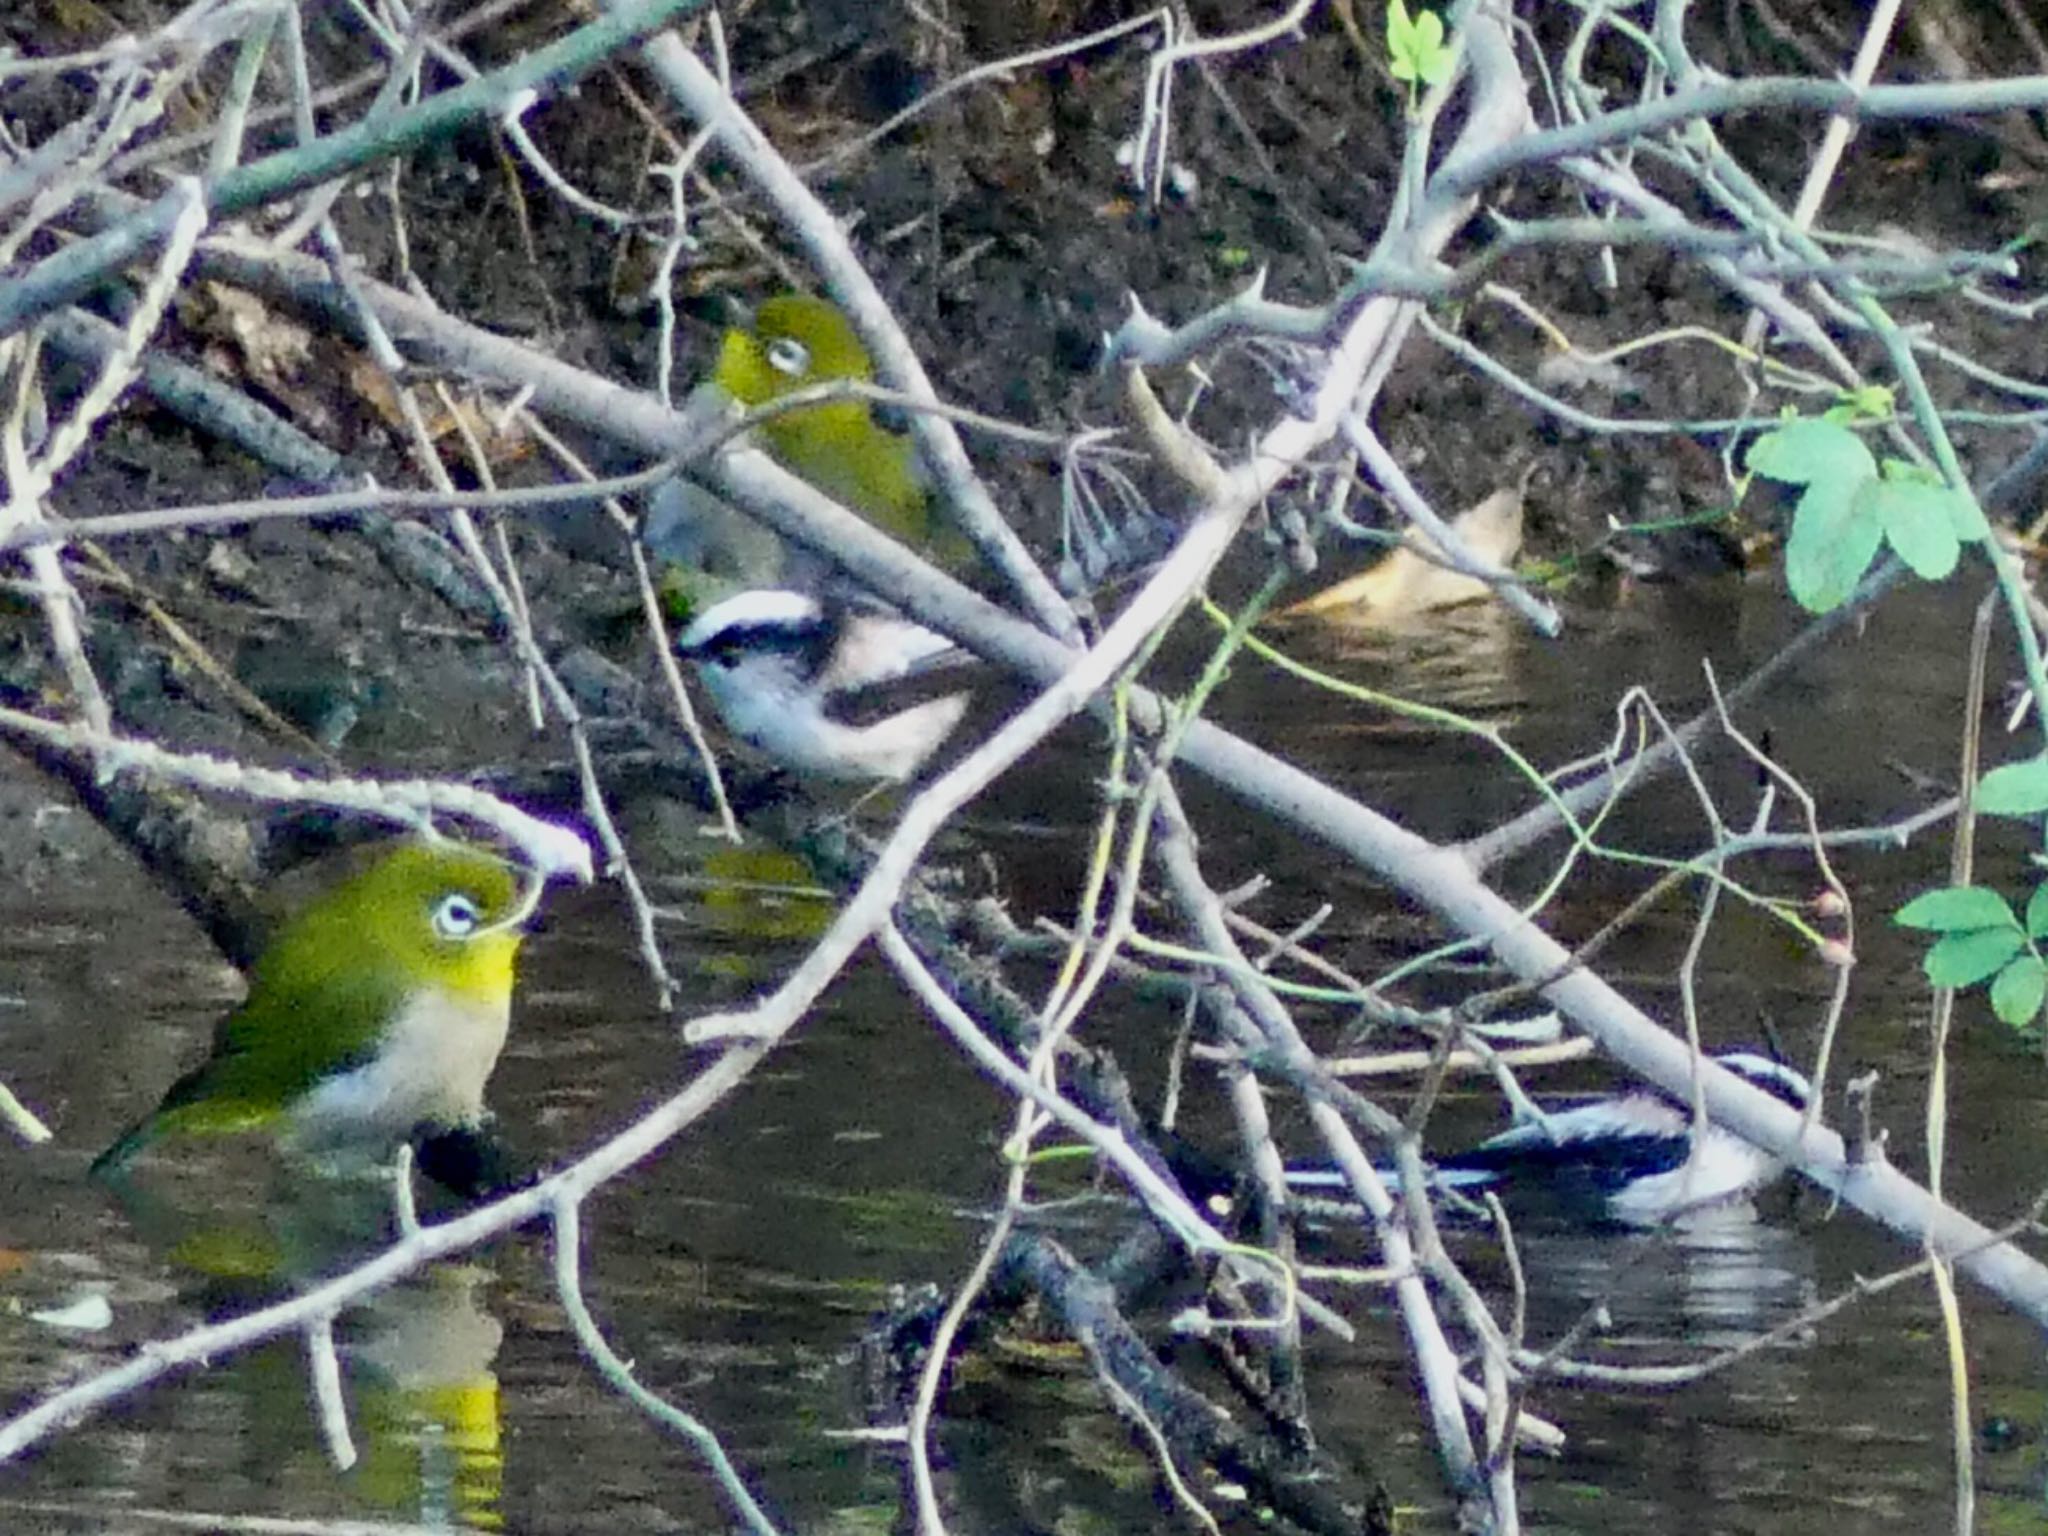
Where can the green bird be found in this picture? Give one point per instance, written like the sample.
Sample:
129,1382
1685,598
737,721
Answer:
797,342
378,1010
794,342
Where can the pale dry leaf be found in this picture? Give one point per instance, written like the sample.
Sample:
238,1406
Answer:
1408,582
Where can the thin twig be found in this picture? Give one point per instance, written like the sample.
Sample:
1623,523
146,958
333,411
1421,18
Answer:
566,1213
323,1368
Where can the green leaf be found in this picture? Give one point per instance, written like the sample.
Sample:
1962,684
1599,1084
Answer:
1960,508
1415,47
2037,912
1958,908
1807,450
1965,516
2017,993
1401,42
1869,402
1835,536
1435,57
1964,959
2016,789
1917,523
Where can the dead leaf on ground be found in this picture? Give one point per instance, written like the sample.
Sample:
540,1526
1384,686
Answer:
272,349
245,339
504,439
1409,582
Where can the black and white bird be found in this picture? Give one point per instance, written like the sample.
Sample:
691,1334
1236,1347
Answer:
1626,1158
819,685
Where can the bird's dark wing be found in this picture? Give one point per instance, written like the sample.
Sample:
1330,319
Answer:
1600,1166
950,672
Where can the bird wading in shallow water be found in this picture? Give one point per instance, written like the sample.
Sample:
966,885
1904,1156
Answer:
820,687
1626,1158
795,342
376,1013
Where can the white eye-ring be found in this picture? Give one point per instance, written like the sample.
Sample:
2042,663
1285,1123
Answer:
456,916
787,355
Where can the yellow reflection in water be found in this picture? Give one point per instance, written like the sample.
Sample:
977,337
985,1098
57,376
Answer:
416,1358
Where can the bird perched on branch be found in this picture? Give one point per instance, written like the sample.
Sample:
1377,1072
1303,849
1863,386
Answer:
1627,1157
826,688
795,342
375,1015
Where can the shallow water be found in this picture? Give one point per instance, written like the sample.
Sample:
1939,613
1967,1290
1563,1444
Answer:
737,1269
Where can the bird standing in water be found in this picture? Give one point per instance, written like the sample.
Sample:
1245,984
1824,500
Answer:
376,1013
1627,1158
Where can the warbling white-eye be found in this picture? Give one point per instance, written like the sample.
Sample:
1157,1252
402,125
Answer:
378,1010
796,342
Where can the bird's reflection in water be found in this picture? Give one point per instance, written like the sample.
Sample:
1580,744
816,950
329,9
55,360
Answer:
420,1358
1666,1295
1712,1283
416,1358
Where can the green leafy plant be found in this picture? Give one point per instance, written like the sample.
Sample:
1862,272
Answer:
1853,505
1866,402
1982,939
2017,789
1417,50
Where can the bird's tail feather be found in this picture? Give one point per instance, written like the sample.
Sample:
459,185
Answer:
184,1110
112,1162
1332,1179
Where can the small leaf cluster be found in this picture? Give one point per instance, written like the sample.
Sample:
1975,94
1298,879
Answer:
1982,939
1853,505
1417,51
1980,935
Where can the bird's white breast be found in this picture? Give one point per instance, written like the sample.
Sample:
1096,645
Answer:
766,705
431,1066
1723,1170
